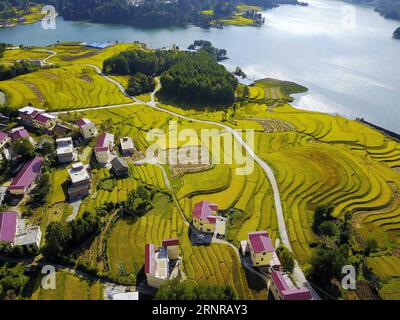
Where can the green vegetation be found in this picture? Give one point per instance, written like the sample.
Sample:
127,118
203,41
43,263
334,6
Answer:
17,69
218,54
199,80
176,289
140,83
12,280
286,257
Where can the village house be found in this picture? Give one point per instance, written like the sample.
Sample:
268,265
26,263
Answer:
205,220
61,130
119,167
37,118
4,139
87,128
65,150
127,146
103,148
25,178
261,248
161,263
80,180
8,227
10,234
282,288
21,133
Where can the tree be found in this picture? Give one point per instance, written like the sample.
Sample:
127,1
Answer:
329,229
58,234
286,258
370,246
321,214
140,83
24,148
325,265
12,280
42,190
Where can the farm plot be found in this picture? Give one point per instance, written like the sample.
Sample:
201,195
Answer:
69,287
69,87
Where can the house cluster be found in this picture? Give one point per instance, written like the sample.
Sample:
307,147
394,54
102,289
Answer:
14,232
161,263
262,254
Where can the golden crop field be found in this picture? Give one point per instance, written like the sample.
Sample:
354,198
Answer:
64,88
69,287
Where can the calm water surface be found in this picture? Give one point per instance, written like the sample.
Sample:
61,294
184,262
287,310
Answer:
351,71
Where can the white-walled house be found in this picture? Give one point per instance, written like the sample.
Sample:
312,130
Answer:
87,128
103,148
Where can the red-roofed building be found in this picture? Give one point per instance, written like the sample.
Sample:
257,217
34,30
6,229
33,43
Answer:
205,218
87,128
261,248
161,263
103,148
8,226
26,177
37,118
281,290
4,139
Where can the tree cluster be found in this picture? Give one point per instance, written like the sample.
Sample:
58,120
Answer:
199,80
188,290
218,54
286,258
17,69
132,62
140,201
12,281
140,83
63,237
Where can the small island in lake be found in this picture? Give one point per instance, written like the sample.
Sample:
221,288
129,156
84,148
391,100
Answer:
396,33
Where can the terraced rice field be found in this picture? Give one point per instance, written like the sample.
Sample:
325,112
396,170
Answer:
213,264
69,287
329,159
64,88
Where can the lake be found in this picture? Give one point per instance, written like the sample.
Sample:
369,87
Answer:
350,66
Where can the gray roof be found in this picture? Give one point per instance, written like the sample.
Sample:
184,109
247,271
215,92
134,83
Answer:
119,163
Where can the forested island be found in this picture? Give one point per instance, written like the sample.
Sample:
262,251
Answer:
161,13
13,12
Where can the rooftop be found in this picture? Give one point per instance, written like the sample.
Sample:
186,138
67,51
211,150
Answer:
289,292
27,174
8,226
28,237
104,142
170,242
3,136
83,122
126,143
29,110
261,242
21,133
44,117
204,211
79,172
